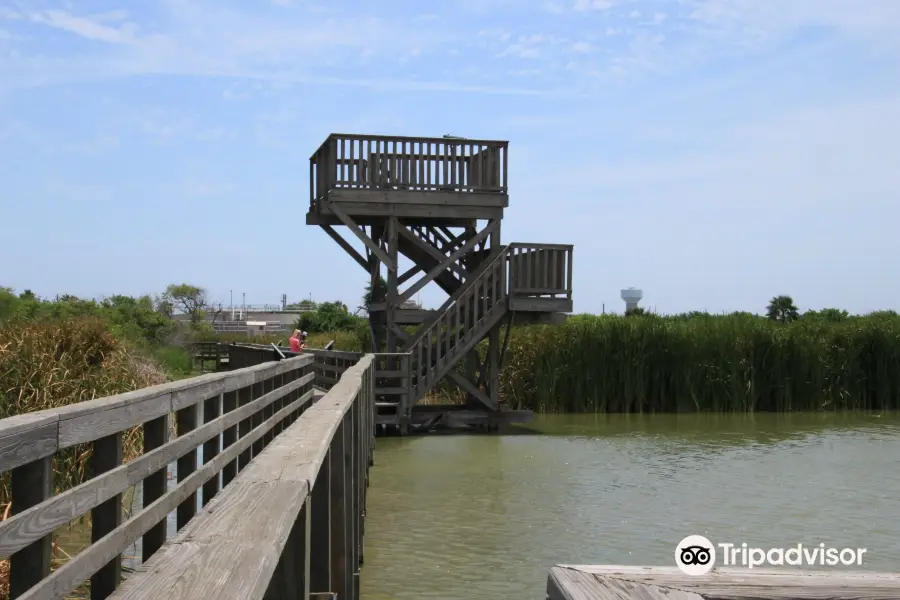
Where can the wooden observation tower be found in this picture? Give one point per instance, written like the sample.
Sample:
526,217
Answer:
439,202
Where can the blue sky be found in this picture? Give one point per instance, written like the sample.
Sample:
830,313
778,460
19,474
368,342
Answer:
712,152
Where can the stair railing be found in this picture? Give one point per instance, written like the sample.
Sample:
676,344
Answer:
439,343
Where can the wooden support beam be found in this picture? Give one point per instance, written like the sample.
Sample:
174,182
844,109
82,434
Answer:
458,239
399,332
392,291
470,388
408,274
353,252
430,249
447,261
361,235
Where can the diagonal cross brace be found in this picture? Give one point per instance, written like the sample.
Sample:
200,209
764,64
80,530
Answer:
359,233
446,262
354,254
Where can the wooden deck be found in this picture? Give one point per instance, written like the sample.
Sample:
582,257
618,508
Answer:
420,179
591,582
281,487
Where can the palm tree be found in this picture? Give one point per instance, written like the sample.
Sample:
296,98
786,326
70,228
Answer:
370,298
782,309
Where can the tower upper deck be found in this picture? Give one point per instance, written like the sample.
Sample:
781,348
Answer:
444,178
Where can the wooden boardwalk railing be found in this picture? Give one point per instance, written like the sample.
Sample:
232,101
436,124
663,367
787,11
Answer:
270,459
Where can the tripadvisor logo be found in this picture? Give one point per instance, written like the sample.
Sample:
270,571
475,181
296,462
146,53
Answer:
696,555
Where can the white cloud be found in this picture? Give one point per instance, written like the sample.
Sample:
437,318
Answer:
90,28
584,5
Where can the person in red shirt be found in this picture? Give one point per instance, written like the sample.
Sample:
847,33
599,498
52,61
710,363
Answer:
295,341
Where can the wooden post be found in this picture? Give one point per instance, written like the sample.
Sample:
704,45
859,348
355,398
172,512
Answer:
156,434
32,483
257,419
320,531
290,581
185,421
212,409
338,513
268,411
229,437
245,396
353,479
106,516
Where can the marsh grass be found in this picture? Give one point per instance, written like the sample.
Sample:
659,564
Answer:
46,365
707,363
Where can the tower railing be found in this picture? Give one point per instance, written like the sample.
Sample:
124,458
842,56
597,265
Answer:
418,164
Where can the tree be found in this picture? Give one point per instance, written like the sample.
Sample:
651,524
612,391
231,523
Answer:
827,315
187,299
329,316
302,305
372,297
782,309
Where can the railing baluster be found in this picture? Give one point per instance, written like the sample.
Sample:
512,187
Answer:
156,434
320,534
229,436
32,483
338,512
212,409
245,396
185,421
106,455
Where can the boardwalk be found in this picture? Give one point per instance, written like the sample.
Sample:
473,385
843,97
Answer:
282,487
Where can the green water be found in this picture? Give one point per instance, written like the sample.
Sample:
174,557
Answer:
485,516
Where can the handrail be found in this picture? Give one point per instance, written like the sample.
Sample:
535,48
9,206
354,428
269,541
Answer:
436,316
233,416
291,523
494,270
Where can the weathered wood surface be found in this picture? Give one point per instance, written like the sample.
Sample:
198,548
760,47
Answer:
254,540
274,395
596,582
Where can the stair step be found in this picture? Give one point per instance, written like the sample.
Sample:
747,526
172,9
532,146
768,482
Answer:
385,404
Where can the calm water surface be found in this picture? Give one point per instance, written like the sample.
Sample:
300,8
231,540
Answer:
485,516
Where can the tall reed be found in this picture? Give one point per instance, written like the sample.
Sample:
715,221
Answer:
706,363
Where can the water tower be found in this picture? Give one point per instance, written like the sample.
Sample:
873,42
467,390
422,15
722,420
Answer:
631,296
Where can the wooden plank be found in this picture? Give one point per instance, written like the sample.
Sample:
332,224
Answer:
118,416
433,198
526,304
29,444
360,210
590,582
